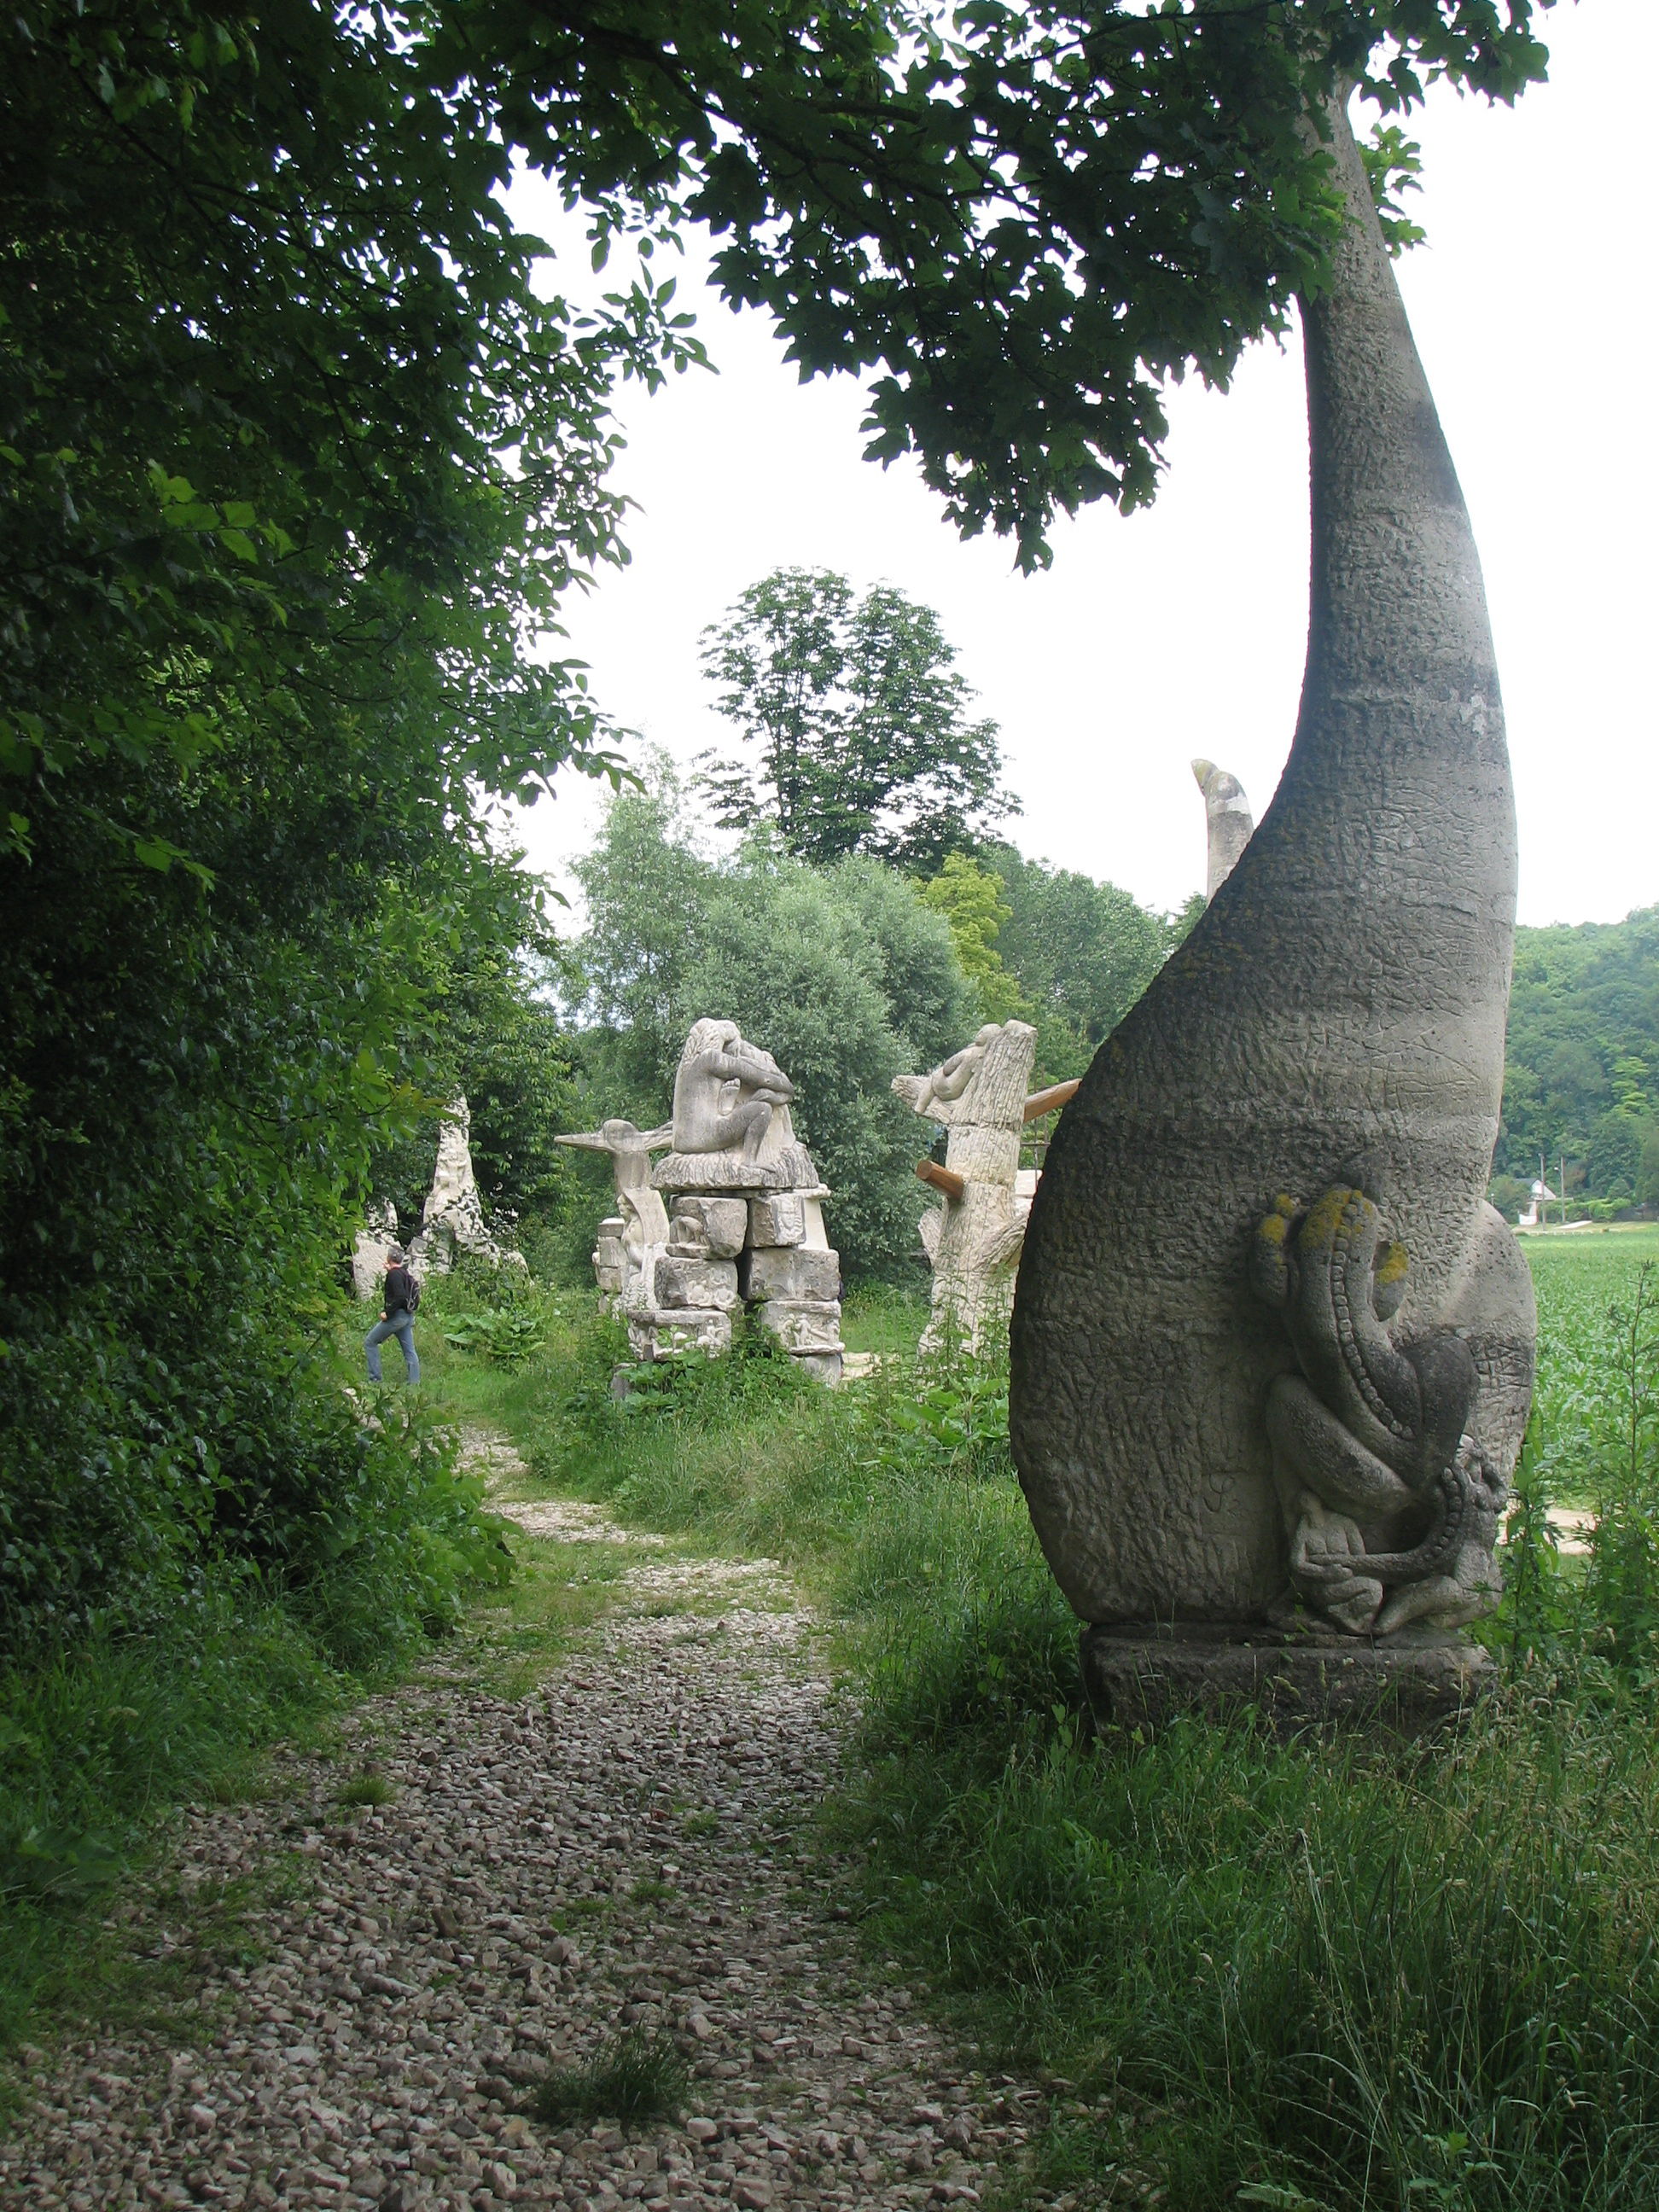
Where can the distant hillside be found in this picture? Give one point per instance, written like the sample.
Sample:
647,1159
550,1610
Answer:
1583,1057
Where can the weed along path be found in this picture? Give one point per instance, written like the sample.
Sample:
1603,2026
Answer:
507,1879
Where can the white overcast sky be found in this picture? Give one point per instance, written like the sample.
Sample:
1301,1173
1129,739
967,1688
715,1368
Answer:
1180,630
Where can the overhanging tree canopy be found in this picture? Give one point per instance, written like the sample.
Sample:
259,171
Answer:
1027,219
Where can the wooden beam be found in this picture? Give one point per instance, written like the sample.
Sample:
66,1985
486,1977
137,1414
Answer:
1045,1102
945,1179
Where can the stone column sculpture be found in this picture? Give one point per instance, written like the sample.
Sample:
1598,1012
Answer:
1222,1454
979,1095
629,1150
452,1220
1228,822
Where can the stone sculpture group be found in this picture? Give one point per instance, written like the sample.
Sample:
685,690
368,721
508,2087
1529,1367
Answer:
733,1217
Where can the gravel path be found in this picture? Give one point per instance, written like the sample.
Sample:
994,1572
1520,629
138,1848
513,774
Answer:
613,1848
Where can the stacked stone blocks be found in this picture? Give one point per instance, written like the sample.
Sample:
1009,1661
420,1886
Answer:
743,1224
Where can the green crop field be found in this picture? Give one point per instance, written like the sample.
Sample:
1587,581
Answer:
1592,1410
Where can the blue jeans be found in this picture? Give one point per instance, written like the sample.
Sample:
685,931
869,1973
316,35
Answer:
402,1326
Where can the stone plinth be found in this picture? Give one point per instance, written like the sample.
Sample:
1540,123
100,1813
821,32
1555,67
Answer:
716,1226
661,1332
610,1258
743,1216
779,1220
722,1174
823,1366
683,1282
1139,1677
791,1272
802,1324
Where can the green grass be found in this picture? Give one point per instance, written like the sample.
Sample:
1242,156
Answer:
1579,1278
94,1745
368,1789
880,1317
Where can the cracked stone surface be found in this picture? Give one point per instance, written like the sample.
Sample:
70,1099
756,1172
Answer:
614,1847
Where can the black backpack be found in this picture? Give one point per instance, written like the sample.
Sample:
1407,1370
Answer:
414,1295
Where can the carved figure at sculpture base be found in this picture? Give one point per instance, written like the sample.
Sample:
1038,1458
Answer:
1391,1461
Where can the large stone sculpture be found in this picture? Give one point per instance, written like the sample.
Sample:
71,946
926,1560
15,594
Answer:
452,1220
1332,1028
732,1129
1389,1460
1228,822
733,1217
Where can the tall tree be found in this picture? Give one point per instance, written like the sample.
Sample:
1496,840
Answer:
297,449
1083,952
856,721
970,897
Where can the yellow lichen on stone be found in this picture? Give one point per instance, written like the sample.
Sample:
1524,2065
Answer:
1325,1218
1392,1262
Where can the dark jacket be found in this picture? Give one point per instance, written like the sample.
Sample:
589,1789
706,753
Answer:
398,1285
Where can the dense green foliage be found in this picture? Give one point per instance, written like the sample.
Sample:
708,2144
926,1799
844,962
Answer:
1084,952
856,723
849,975
295,459
1583,1073
491,1038
839,972
970,897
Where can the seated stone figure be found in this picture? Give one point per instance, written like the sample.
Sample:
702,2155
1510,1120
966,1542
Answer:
726,1091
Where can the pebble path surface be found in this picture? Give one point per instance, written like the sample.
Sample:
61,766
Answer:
612,1847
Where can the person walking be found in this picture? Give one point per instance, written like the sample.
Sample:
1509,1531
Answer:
397,1317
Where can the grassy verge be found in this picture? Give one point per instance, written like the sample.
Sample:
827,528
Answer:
101,1737
1324,1977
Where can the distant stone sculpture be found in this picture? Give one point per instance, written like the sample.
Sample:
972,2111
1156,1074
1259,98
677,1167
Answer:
733,1217
1228,818
374,1240
973,1237
452,1220
629,1150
